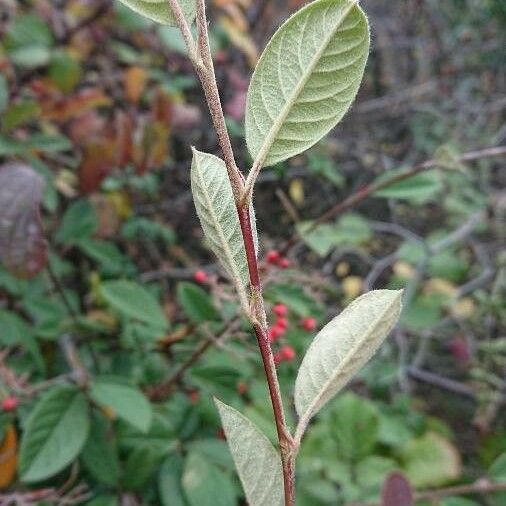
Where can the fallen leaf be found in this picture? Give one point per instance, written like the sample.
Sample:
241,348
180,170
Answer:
23,249
8,457
135,80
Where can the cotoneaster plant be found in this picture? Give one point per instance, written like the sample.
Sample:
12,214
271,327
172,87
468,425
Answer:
303,84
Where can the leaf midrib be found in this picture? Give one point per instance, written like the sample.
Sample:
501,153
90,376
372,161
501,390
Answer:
224,242
276,126
309,411
48,440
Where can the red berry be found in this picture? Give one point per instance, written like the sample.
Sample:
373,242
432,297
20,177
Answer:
272,256
274,333
284,263
460,350
288,352
278,357
200,276
309,323
9,404
282,323
221,435
280,310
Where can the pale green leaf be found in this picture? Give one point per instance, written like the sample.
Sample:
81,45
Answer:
306,79
258,463
55,433
160,11
127,402
431,461
342,347
216,209
204,484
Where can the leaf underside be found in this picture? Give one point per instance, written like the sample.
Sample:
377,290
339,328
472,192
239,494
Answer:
217,212
306,79
159,10
344,346
258,463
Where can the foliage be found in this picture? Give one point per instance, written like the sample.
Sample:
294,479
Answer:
112,347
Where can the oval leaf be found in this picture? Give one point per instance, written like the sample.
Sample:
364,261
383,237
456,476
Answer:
134,301
160,11
258,463
55,433
306,79
23,249
215,205
342,347
127,402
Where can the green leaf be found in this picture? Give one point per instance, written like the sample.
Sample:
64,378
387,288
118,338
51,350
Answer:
351,229
497,470
28,41
457,501
14,331
420,187
132,300
306,79
140,467
128,402
355,426
258,463
169,482
79,222
65,71
4,94
55,433
100,455
215,205
196,302
342,347
431,461
160,11
206,485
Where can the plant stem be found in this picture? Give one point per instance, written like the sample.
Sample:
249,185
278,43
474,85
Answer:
261,331
200,56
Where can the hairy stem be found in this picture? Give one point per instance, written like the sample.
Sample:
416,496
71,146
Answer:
200,56
261,331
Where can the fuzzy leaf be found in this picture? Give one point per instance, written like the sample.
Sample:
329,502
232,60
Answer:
256,460
159,10
342,347
306,79
217,212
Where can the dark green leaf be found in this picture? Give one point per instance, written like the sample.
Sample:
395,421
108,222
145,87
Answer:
128,402
133,301
196,303
55,433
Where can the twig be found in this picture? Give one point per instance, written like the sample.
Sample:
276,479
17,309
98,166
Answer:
440,381
369,190
161,391
98,13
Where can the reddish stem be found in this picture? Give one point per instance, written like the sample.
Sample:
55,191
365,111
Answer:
261,331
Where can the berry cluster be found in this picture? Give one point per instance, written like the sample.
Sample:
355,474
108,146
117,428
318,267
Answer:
274,257
286,353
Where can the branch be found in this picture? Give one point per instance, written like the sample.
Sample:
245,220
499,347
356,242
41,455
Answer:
369,190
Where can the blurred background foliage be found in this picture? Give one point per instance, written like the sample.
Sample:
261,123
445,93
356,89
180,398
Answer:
113,347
